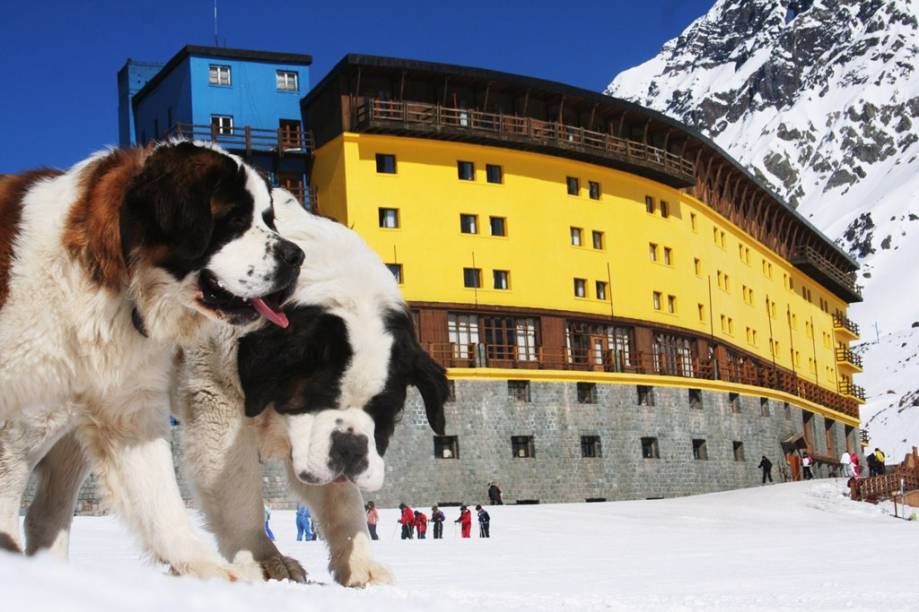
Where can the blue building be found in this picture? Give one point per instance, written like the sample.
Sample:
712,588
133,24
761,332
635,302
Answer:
246,101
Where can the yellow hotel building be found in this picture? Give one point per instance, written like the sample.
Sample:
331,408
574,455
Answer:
577,261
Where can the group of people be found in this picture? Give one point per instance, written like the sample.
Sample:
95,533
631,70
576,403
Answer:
801,465
875,462
415,523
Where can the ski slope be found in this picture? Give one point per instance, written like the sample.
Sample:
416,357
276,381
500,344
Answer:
795,546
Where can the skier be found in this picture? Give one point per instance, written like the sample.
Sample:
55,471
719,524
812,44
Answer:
421,524
465,521
407,521
846,461
267,511
807,462
437,517
304,526
856,466
484,521
872,460
766,466
881,457
494,494
372,518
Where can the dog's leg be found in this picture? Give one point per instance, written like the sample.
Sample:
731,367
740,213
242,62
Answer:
339,511
60,474
221,460
133,459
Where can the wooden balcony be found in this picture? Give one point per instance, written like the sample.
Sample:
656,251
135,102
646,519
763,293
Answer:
436,121
846,356
846,326
246,139
824,271
851,390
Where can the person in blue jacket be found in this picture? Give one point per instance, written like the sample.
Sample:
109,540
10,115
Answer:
304,524
267,510
484,522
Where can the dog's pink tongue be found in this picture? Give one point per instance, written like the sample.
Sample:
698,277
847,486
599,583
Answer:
278,318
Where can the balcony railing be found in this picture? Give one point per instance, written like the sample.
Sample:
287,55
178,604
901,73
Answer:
851,390
434,118
838,281
842,322
747,372
847,355
246,138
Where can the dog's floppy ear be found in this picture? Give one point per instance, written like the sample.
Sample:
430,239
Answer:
431,380
169,202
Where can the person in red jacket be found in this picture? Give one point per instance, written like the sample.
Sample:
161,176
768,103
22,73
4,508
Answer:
465,521
421,524
407,520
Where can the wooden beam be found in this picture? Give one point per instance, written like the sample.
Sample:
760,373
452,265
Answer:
593,114
446,86
621,121
644,137
526,101
487,92
402,87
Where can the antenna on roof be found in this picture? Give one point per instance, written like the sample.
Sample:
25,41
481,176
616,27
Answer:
216,39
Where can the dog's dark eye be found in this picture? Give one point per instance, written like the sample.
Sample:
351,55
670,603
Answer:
268,218
239,222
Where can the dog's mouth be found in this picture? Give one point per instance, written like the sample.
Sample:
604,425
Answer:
238,310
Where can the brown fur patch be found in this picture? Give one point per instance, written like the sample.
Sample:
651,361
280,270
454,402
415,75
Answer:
92,234
13,189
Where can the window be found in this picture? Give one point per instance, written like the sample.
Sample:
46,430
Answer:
701,309
599,344
786,408
522,447
699,450
389,217
580,287
665,209
386,163
463,334
511,338
738,451
672,355
446,447
472,278
734,401
649,205
287,80
518,390
649,449
587,393
218,75
692,222
656,300
590,447
668,256
469,224
574,185
396,270
601,290
576,236
494,173
697,266
594,189
645,395
597,239
498,226
695,399
671,304
764,406
465,170
451,391
222,124
501,279
652,251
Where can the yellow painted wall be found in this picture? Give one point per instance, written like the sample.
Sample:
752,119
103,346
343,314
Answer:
538,253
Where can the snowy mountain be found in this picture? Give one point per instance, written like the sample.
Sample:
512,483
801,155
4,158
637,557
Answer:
820,99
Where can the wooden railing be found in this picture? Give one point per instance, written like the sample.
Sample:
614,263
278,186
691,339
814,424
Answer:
423,117
847,355
851,389
246,138
808,257
842,322
747,372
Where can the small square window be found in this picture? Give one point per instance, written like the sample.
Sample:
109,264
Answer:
451,391
502,279
574,185
465,170
645,395
671,304
587,393
389,218
699,450
446,447
787,409
576,236
469,224
498,226
287,80
396,270
649,205
386,163
652,251
494,173
649,448
472,278
668,256
594,189
221,124
218,75
695,399
734,401
580,287
601,290
597,239
738,451
590,447
665,209
692,222
519,390
764,406
656,300
701,309
523,447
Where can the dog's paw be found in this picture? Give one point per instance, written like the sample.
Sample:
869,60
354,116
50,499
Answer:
207,570
364,574
283,568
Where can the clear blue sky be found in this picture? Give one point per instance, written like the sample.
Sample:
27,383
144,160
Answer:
58,59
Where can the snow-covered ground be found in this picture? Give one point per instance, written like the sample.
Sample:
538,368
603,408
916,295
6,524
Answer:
795,546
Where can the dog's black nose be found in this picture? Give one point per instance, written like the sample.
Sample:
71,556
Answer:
348,453
290,253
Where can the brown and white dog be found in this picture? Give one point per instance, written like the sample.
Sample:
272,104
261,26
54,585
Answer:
104,270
